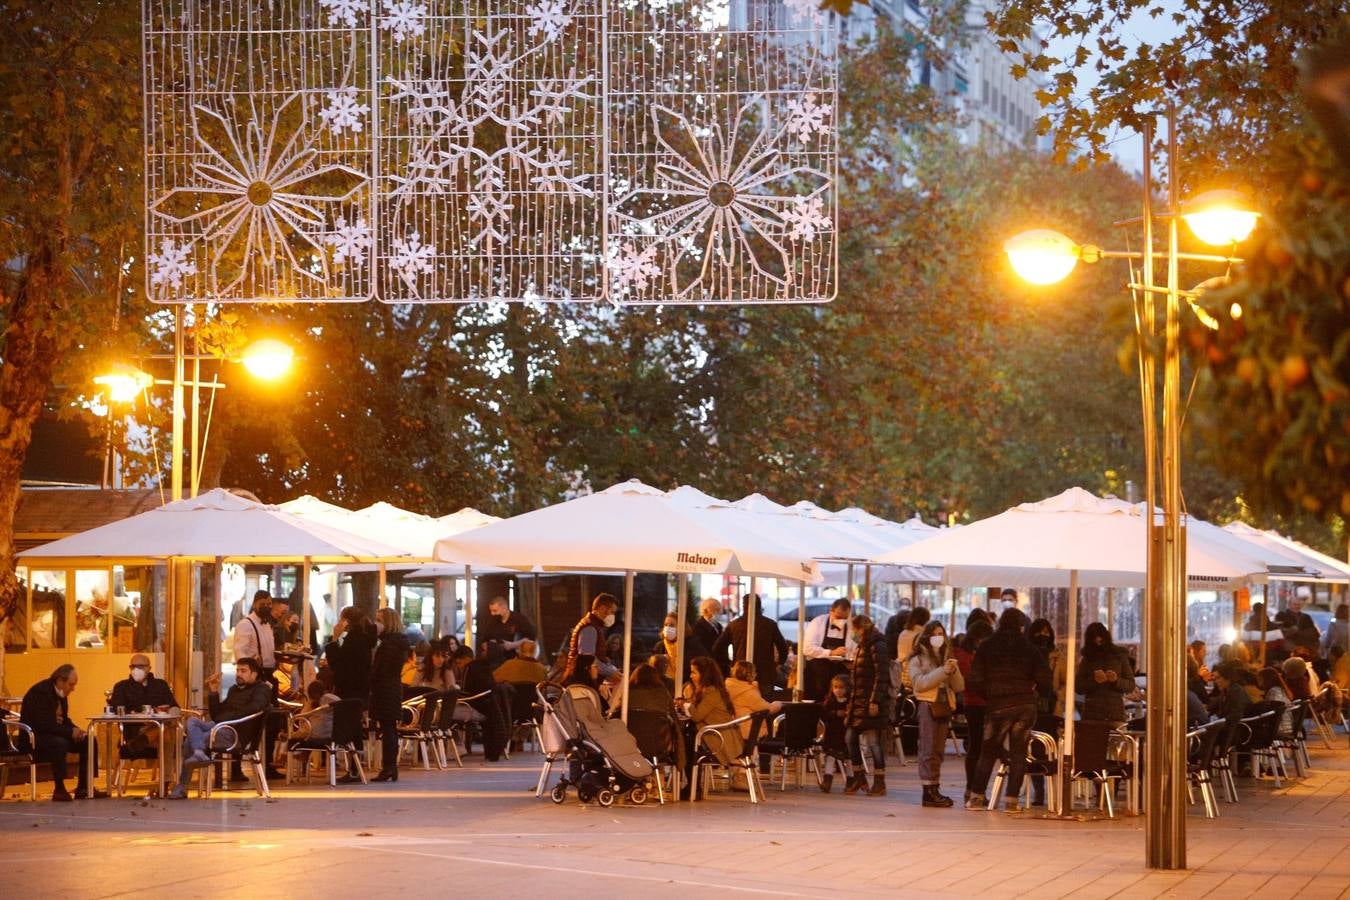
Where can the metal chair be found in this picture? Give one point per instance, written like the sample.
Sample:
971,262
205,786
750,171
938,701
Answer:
1231,735
1261,744
796,738
1203,743
524,712
415,730
1323,697
16,750
344,737
127,757
706,759
443,729
244,736
1043,762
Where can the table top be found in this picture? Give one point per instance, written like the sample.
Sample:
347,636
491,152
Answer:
136,717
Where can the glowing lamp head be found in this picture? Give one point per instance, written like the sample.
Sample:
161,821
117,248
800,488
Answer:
268,359
1220,218
124,383
1041,256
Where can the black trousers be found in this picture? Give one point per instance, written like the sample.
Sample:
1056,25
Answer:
388,745
53,750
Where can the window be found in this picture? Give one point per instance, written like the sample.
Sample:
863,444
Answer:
47,605
93,607
962,85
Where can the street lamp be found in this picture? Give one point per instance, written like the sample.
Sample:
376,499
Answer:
1220,218
267,359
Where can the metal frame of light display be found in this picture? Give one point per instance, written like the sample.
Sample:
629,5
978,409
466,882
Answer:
636,151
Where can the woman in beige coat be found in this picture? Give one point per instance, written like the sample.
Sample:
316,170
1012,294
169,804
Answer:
937,681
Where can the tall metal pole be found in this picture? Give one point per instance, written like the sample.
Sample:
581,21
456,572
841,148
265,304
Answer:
176,448
1070,679
194,470
627,638
681,623
1165,824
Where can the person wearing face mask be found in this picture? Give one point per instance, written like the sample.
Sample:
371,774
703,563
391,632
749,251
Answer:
506,627
46,711
869,706
1008,598
668,643
828,645
140,689
937,680
588,637
249,695
1105,676
253,636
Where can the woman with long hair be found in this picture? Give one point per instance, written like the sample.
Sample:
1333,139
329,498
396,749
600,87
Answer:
937,680
436,672
1273,687
1105,676
706,702
869,706
386,688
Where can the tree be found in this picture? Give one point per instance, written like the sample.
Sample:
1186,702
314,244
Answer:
69,196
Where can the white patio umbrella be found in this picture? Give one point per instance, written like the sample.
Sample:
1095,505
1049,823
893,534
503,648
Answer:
1070,540
627,528
1321,566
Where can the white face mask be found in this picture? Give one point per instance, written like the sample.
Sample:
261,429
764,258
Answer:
138,674
60,693
608,620
669,632
936,641
1009,604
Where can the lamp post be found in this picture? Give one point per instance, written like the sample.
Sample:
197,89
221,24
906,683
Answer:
266,359
1044,257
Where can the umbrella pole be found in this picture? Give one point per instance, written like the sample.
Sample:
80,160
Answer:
1070,665
801,634
1265,619
867,590
383,602
750,612
468,607
848,588
305,615
627,637
681,620
951,596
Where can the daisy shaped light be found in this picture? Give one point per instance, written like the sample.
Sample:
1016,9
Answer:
722,203
260,199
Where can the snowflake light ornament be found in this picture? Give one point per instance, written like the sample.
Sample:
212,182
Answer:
346,12
631,269
350,240
804,12
806,218
343,112
807,118
411,257
258,198
404,19
548,18
171,264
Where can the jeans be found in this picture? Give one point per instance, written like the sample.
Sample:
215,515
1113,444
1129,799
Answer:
932,737
974,743
870,739
1012,724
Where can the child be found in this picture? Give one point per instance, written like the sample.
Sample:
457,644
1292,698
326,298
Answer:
834,713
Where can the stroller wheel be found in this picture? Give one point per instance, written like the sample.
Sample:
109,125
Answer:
638,796
584,795
558,794
606,797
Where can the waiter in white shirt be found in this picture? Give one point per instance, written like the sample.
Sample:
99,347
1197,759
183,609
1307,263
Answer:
253,636
829,648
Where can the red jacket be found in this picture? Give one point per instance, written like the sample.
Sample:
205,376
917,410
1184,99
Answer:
964,660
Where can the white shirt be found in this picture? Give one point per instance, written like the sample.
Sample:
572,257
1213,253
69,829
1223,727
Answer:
816,632
253,639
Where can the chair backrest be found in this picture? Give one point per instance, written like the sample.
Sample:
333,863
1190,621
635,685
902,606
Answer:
654,732
1264,720
760,725
523,700
347,720
445,710
1090,739
249,731
801,725
427,720
1205,745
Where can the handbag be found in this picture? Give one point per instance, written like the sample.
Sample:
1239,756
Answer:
942,706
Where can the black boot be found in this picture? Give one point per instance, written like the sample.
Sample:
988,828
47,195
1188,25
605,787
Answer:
932,798
826,782
878,788
856,783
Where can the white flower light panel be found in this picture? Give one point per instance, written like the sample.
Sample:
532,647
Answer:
722,152
491,150
259,150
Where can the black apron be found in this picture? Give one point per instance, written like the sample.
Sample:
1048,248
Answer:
819,672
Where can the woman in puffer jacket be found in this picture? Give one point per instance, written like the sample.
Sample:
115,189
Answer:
937,680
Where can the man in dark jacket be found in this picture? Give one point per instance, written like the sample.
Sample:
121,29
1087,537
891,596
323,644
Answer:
249,695
46,710
139,690
770,648
1009,672
707,629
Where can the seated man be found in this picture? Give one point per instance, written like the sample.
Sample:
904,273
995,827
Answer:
46,710
249,695
522,668
136,692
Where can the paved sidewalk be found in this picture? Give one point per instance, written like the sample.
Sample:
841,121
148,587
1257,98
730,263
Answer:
481,830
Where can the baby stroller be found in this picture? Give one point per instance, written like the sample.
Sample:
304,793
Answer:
603,757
